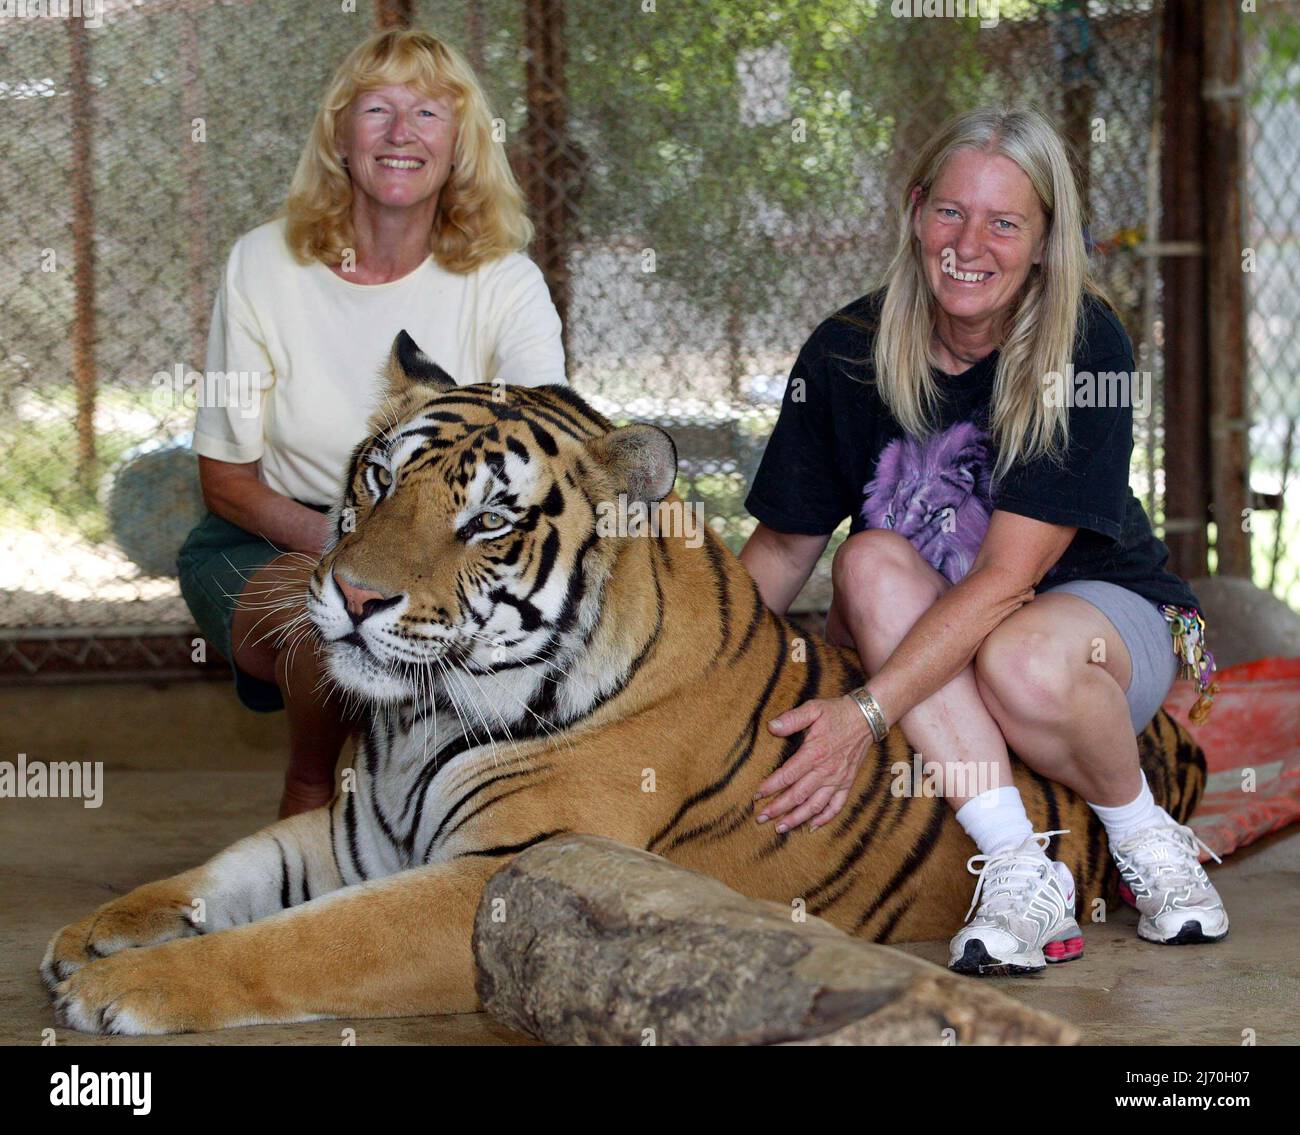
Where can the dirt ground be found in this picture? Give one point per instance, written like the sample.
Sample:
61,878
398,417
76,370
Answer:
192,771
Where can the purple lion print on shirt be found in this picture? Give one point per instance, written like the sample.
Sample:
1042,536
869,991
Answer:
936,493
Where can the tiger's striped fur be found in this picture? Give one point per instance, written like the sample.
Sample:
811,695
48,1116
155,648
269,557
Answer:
522,683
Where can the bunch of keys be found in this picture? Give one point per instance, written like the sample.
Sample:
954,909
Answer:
1194,660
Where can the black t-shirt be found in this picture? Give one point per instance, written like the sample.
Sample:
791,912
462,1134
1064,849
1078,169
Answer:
836,451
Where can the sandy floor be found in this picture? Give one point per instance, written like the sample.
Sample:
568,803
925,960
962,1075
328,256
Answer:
210,773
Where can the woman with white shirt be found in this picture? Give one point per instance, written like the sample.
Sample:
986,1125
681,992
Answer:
402,214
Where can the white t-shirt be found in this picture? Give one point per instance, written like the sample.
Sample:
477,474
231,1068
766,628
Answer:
305,349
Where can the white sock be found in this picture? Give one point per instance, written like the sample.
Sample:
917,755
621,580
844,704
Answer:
1123,820
996,819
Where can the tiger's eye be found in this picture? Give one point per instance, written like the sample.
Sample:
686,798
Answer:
490,520
383,476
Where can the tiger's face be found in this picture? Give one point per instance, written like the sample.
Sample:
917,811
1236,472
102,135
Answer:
466,533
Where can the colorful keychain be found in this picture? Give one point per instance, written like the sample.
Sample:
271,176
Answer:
1194,660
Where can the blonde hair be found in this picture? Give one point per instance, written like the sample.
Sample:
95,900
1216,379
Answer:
1039,332
480,213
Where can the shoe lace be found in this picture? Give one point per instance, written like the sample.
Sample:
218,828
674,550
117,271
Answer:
1148,851
1009,873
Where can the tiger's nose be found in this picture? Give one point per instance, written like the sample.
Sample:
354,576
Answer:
361,602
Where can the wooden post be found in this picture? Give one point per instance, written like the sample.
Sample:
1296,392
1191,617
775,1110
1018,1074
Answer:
548,162
1182,267
393,13
1077,88
196,214
475,37
81,112
1222,94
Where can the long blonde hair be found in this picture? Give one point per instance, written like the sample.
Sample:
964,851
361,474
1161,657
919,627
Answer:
1039,332
480,213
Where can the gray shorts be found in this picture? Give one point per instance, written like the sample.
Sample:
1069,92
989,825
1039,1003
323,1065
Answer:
1146,635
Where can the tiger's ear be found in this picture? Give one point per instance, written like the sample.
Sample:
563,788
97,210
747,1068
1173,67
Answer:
409,366
642,459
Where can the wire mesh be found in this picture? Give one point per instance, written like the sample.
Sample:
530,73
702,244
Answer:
1271,261
710,180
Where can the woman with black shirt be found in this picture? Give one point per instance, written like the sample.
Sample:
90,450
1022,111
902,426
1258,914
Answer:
1001,583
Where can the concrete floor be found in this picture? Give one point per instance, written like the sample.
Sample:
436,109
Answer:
191,771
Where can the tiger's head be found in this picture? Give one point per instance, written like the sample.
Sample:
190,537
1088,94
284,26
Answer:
467,530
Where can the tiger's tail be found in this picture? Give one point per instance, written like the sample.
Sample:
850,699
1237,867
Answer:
1174,764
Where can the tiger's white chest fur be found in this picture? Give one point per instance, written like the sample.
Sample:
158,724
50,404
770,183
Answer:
423,767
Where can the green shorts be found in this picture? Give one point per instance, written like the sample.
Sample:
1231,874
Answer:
215,564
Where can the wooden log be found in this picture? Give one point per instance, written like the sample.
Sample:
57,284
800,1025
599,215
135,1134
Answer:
583,940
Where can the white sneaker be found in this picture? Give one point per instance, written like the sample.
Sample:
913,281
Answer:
1026,920
1169,887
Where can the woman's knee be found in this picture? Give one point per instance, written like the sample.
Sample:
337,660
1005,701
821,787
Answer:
876,567
272,599
1027,674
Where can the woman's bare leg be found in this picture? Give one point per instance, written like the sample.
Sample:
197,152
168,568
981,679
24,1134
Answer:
1054,675
272,640
882,586
1049,680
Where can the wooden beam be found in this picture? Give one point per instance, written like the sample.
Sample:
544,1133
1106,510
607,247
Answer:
1182,212
194,101
1222,96
476,37
393,13
84,371
548,163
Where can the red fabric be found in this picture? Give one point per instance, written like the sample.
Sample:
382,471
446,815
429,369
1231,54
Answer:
1255,725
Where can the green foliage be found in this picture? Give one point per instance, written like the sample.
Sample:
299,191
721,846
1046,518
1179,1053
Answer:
38,482
1277,71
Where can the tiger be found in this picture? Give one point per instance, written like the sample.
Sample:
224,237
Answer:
525,670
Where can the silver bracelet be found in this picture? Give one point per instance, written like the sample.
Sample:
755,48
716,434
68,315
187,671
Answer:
871,711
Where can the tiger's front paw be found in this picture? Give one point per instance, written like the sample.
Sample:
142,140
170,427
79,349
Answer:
148,915
171,988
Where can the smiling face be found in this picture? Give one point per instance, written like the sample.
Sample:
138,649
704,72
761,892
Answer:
981,230
399,143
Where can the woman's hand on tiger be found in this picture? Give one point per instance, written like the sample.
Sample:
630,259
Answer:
814,784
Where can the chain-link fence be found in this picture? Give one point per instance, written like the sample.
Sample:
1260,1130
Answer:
710,180
1272,263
